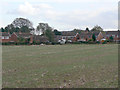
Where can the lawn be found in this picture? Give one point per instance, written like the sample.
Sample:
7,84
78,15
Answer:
60,66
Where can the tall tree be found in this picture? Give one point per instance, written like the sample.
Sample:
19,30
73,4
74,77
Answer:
93,37
42,27
2,30
49,33
97,28
111,38
19,24
87,29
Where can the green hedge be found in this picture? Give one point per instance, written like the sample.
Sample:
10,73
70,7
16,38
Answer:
86,42
15,43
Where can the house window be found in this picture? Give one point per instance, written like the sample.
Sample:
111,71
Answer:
117,36
113,35
2,37
6,37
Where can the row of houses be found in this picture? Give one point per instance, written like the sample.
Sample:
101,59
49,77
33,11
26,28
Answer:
14,37
86,36
66,35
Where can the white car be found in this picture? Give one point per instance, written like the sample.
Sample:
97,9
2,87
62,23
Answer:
70,41
62,41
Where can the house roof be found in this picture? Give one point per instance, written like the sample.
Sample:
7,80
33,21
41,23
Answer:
40,38
68,33
57,37
112,32
5,34
96,33
82,34
24,35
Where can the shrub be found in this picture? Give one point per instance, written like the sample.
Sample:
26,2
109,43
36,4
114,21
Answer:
97,42
90,40
105,42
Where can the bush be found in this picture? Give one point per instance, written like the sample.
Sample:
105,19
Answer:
90,40
8,43
105,42
97,42
76,42
80,42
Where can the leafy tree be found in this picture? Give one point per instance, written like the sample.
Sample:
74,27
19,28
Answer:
87,29
50,35
24,29
46,30
21,40
19,24
2,30
56,32
93,37
77,31
97,28
111,38
42,27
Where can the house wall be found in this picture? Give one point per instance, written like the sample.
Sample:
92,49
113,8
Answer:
13,38
4,39
100,36
31,39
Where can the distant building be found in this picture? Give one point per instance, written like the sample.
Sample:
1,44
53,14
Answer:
40,39
114,34
68,36
5,37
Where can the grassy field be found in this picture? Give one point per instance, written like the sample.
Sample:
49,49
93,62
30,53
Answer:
60,66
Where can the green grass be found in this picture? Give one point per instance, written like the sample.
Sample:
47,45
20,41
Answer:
78,66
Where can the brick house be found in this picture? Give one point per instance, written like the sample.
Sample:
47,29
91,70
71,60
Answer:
114,34
15,36
69,35
86,36
39,39
5,37
100,36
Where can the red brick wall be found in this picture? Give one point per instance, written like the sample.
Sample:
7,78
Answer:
31,39
13,37
5,40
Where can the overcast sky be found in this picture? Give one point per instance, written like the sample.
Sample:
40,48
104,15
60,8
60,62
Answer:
62,14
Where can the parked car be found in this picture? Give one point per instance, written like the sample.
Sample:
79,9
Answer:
69,41
62,41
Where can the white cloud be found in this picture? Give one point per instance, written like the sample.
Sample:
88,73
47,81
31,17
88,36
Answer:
71,1
44,6
26,8
74,18
77,17
30,9
82,19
